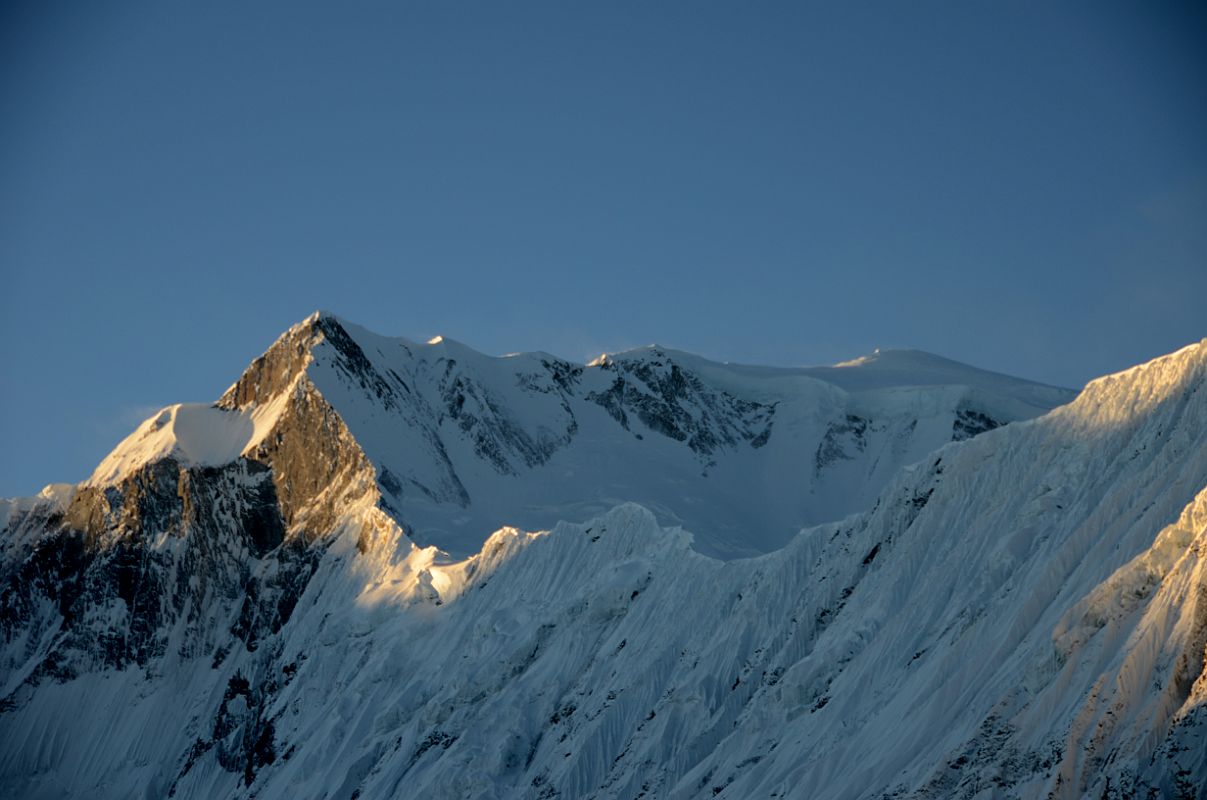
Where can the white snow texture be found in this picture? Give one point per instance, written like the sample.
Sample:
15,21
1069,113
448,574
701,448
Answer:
1020,613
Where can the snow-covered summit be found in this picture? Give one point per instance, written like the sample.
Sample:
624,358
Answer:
903,367
881,369
462,442
192,433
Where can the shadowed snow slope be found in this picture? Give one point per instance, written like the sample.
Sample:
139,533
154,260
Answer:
1020,614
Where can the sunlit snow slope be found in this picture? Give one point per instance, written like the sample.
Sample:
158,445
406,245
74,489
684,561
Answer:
1022,613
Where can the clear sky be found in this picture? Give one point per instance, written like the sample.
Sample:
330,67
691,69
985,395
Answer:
1022,186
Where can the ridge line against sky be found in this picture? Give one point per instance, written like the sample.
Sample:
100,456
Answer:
1020,188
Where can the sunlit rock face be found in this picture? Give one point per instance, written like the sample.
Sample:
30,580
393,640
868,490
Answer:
308,589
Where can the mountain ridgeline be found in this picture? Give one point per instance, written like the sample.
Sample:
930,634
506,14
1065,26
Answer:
381,568
741,456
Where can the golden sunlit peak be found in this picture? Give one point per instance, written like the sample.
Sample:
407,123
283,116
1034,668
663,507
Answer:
601,361
435,340
856,362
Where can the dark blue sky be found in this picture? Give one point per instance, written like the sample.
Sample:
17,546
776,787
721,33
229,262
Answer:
1022,186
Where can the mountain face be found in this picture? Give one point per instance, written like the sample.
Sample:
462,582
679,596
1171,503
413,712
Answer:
295,592
461,443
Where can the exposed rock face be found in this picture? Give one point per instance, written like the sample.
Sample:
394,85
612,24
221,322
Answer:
673,402
497,439
166,550
969,423
842,441
178,561
277,370
317,466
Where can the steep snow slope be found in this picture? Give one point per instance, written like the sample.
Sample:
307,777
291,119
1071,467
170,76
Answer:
743,456
1020,614
191,433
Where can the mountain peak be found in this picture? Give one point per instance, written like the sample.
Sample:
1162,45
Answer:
449,430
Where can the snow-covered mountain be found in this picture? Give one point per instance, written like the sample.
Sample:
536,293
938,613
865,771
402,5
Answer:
293,592
462,443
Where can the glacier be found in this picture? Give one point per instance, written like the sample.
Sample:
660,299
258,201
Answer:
378,568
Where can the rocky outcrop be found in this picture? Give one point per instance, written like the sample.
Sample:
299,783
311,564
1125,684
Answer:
970,422
317,466
496,437
133,567
674,402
